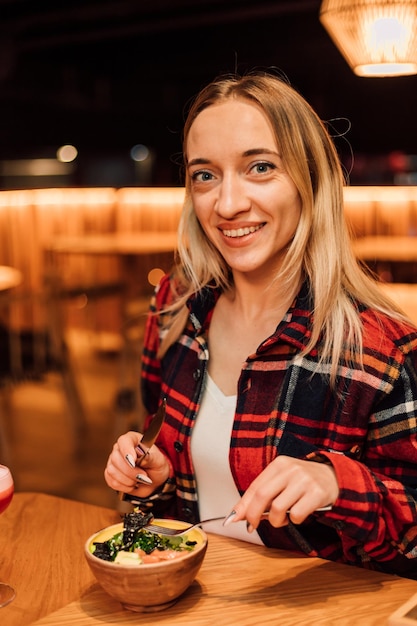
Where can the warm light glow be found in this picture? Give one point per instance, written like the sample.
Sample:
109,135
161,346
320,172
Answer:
155,276
376,37
386,35
380,193
67,153
34,167
149,208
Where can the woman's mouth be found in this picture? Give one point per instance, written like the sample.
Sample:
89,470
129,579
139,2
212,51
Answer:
241,232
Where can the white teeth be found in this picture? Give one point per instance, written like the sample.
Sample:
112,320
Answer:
240,232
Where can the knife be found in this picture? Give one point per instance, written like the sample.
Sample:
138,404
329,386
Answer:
151,433
126,500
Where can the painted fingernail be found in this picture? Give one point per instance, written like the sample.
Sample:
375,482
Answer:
142,478
229,518
129,458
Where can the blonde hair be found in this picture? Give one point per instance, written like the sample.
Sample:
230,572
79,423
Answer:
321,246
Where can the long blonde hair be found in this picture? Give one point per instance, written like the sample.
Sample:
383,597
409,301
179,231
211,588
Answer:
321,245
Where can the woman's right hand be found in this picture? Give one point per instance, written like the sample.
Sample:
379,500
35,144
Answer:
122,474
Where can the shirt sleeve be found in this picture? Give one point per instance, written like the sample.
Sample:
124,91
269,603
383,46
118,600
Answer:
151,379
376,512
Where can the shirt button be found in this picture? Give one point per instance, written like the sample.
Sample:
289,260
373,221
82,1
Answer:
178,446
356,452
187,512
197,374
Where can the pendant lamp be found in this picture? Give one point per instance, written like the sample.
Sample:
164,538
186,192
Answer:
376,37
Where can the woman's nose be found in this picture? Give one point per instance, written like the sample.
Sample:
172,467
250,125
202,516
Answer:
232,198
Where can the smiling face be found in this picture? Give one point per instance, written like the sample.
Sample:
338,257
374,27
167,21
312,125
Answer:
245,201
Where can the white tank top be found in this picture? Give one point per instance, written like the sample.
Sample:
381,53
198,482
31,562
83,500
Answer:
210,444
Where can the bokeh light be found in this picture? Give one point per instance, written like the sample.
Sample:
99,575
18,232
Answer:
155,276
67,153
139,152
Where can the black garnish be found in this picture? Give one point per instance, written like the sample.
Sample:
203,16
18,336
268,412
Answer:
132,523
135,536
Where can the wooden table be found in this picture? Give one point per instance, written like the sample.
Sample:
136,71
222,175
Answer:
41,555
125,248
139,243
118,264
114,262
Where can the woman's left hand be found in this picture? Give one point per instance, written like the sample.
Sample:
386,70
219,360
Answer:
287,487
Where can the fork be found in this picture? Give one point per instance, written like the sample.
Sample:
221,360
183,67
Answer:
174,532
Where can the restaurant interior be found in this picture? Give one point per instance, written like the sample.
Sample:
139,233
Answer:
92,101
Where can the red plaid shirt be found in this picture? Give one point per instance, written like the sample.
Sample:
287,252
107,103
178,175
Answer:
366,428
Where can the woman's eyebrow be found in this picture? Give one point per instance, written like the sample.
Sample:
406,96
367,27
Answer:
251,152
198,161
258,151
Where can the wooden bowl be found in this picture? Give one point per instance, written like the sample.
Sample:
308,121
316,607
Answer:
150,586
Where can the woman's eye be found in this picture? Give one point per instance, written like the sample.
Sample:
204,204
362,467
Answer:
201,176
263,168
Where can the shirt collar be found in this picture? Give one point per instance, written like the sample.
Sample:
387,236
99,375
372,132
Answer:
294,328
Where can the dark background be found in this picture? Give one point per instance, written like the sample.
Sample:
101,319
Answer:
105,75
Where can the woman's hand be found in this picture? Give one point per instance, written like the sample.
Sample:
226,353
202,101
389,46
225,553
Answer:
122,474
287,487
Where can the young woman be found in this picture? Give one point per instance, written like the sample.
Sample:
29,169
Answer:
290,380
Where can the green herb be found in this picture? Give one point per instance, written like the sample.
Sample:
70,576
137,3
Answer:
140,539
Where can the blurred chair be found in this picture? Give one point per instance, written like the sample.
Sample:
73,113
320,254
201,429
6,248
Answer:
33,331
66,289
9,279
32,345
141,210
31,353
88,286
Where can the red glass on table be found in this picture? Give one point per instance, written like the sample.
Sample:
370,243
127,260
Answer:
7,593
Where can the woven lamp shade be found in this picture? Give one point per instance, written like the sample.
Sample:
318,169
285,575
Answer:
376,37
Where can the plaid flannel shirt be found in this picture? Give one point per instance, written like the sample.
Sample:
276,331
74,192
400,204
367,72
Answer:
366,428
